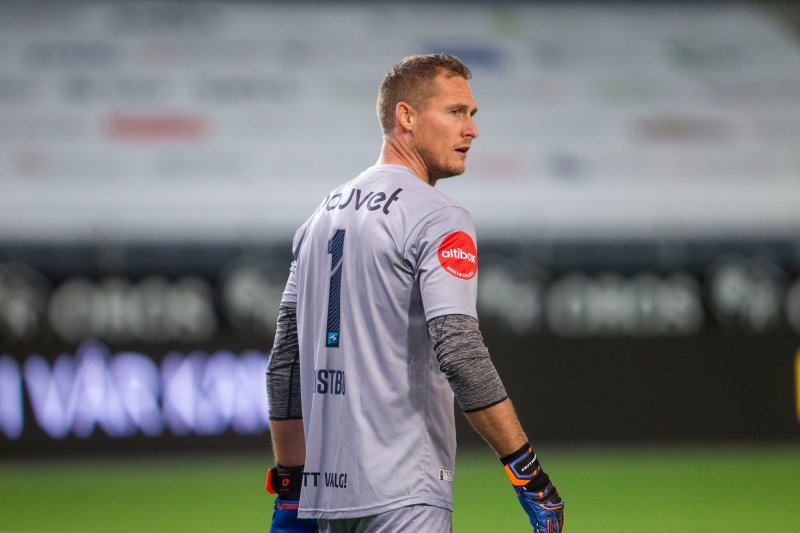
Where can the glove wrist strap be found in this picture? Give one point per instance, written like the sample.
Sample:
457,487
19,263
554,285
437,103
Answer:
523,469
285,481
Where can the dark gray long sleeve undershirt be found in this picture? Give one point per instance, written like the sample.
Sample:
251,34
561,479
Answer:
465,360
457,342
283,371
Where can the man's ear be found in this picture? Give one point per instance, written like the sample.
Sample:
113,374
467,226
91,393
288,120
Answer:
404,116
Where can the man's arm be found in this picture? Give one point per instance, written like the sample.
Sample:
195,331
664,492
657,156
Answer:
499,427
286,425
465,361
283,389
288,442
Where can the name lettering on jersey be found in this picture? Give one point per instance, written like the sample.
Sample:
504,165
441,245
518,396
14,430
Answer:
335,480
330,381
373,200
458,255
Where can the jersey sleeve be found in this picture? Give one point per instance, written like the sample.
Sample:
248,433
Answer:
443,250
290,291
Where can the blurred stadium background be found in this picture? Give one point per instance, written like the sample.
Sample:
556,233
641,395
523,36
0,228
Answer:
636,188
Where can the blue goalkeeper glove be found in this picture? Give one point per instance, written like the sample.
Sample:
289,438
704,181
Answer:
286,483
537,495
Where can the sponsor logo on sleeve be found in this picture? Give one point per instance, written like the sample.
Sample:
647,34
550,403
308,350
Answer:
458,255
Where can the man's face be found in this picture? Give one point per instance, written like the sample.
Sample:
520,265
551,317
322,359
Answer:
445,128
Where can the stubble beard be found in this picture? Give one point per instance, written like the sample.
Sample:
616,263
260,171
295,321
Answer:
439,169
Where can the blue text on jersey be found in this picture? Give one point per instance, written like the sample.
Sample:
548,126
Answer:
358,198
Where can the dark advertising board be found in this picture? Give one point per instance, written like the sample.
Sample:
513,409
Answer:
161,348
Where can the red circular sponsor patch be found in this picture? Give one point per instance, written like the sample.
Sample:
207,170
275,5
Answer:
458,255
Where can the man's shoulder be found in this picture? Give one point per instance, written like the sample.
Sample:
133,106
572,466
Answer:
388,189
420,197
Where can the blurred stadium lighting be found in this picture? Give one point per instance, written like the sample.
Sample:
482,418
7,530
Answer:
127,393
207,395
78,394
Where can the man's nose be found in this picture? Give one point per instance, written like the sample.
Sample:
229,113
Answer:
472,129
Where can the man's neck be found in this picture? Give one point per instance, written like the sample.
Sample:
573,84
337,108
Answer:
394,152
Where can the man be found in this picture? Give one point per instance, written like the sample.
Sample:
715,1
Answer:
377,331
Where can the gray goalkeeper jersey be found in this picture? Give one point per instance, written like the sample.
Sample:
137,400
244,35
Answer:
382,255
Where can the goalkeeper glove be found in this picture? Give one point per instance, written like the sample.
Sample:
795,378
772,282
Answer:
286,481
537,494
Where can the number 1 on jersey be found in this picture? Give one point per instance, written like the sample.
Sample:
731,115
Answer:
335,248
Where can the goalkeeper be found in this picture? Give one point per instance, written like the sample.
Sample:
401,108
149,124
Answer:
378,331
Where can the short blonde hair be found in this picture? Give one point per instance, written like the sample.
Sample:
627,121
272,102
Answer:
411,80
